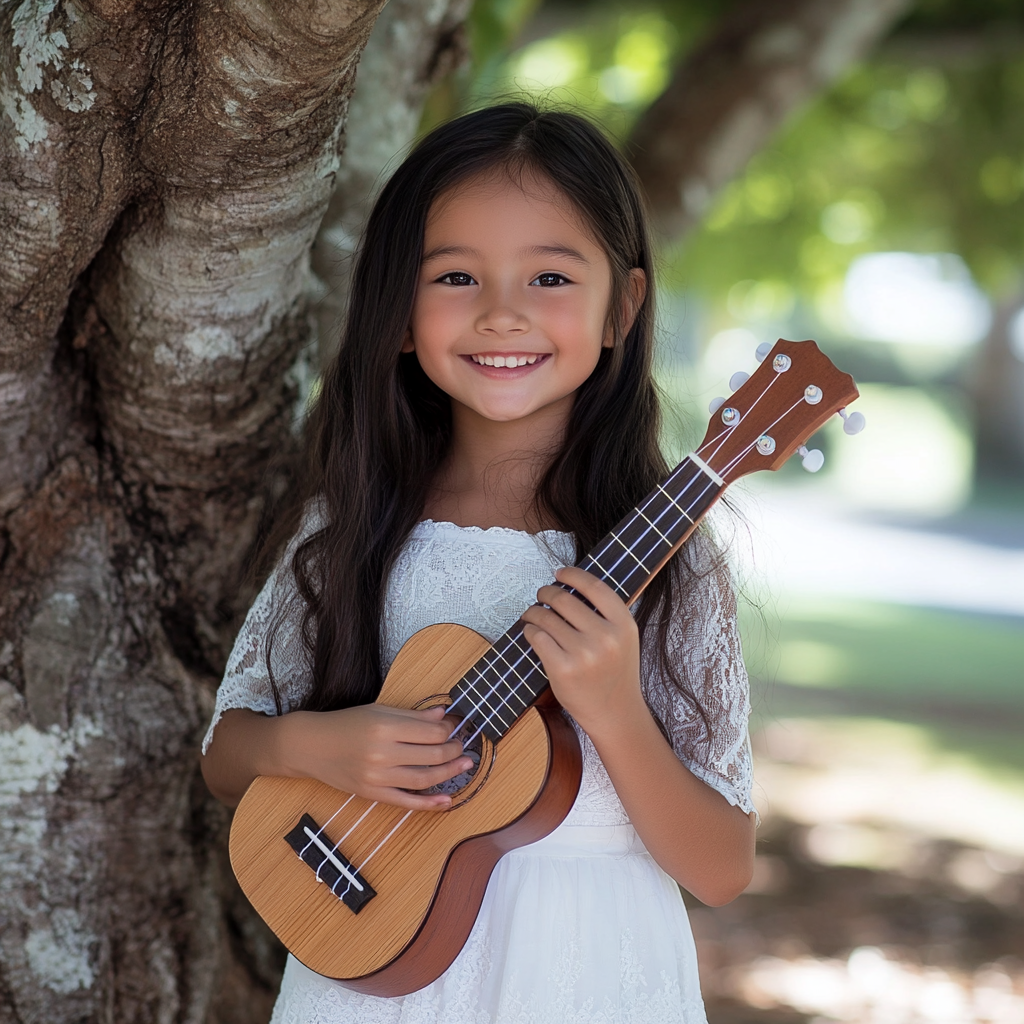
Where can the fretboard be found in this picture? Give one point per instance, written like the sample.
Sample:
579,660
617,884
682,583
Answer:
509,677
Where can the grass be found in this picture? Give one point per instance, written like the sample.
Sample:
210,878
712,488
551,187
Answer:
959,675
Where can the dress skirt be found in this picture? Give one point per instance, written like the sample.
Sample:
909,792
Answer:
582,927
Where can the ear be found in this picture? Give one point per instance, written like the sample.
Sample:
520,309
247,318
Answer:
636,291
407,345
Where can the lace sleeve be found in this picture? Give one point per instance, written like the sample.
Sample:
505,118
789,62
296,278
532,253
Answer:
246,682
704,643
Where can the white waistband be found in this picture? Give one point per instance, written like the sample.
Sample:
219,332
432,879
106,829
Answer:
585,841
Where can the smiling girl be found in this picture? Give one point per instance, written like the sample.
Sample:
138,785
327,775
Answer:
489,417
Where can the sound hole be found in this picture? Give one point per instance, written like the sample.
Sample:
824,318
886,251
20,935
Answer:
480,751
474,751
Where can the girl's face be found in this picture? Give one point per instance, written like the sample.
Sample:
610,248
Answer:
511,307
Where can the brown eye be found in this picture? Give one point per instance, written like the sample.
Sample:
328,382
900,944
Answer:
457,278
550,280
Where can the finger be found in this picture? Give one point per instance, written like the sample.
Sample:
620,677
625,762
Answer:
411,801
420,731
434,714
551,623
596,591
570,607
546,647
418,777
429,754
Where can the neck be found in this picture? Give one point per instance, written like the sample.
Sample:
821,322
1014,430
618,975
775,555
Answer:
509,678
492,472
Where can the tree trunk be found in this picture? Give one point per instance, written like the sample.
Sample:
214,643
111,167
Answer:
164,167
729,96
997,392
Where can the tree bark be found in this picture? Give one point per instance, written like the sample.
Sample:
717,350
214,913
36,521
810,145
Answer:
164,167
726,99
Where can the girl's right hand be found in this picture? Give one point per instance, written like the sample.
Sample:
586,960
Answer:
376,752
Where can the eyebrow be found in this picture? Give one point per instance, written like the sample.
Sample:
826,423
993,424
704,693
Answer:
565,251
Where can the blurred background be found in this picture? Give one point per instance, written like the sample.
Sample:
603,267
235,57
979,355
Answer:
859,182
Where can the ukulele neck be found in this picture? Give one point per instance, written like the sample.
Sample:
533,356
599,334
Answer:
500,687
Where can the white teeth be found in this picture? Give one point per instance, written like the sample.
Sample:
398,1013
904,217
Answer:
504,360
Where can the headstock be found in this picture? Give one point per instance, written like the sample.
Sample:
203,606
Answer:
790,395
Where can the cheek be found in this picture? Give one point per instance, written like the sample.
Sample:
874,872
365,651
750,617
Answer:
435,319
575,320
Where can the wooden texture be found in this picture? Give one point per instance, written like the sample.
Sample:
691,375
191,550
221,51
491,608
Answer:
773,403
416,859
770,403
462,886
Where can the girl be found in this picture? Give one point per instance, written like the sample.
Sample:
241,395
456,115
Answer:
489,417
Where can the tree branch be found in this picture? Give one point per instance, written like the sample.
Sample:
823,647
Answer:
766,59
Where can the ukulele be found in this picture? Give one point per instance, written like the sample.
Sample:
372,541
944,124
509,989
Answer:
382,898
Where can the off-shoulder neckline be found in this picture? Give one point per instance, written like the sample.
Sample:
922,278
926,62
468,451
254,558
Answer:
499,530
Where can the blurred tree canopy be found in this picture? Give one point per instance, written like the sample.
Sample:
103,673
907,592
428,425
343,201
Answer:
921,147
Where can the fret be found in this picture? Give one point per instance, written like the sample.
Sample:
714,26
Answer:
493,694
487,700
473,702
622,563
653,527
673,502
517,672
501,685
608,575
650,531
517,640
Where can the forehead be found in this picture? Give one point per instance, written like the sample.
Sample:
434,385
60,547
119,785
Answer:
496,200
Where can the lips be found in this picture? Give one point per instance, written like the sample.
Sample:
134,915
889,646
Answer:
511,360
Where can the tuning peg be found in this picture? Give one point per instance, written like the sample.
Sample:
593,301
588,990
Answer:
762,351
813,460
853,422
715,404
738,379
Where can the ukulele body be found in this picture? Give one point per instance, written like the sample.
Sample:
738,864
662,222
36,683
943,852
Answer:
428,872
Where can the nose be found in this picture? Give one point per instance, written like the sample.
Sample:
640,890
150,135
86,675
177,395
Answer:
500,316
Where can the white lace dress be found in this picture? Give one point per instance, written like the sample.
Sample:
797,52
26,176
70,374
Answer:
582,927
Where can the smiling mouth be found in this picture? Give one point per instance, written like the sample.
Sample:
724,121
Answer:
512,361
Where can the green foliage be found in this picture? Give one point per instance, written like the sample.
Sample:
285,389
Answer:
956,672
897,156
909,151
599,59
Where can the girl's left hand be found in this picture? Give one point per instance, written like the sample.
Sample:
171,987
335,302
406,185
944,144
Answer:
592,658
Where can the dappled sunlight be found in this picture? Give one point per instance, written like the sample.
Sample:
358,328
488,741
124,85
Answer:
887,887
850,777
871,987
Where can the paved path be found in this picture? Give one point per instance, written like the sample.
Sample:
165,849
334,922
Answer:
805,544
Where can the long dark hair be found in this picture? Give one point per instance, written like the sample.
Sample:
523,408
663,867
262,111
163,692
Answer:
380,429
